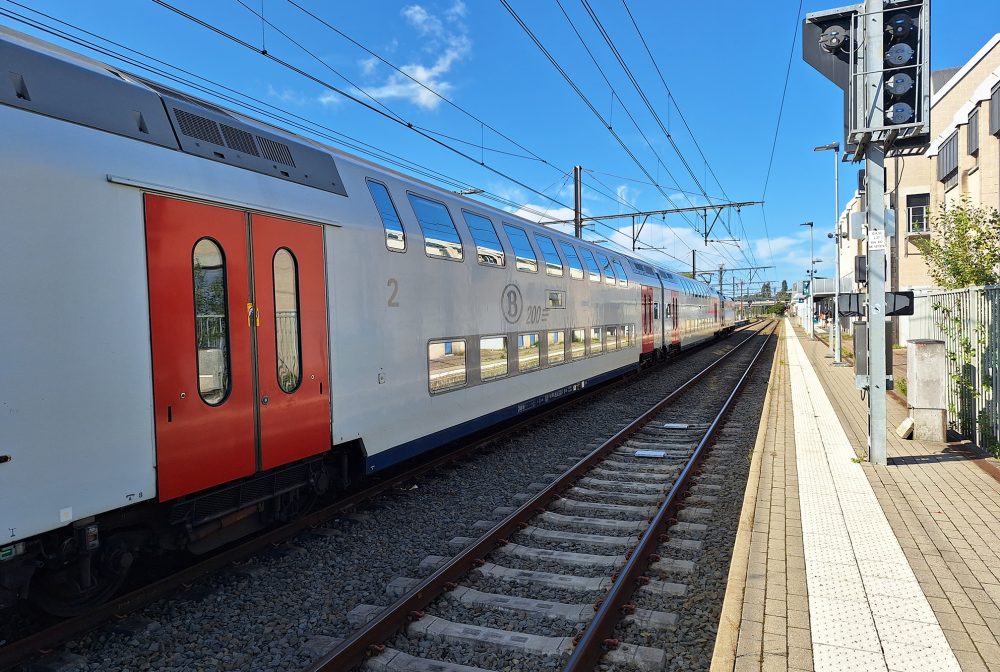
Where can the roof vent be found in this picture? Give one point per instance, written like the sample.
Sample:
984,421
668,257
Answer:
197,126
240,140
276,151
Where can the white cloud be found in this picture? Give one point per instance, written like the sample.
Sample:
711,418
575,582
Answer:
287,96
368,65
330,99
449,44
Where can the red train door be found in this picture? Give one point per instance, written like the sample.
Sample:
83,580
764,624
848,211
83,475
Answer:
675,318
289,284
240,358
647,319
203,382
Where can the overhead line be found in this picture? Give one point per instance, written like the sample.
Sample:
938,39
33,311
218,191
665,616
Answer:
781,107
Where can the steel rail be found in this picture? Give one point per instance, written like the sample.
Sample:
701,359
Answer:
354,650
598,637
26,648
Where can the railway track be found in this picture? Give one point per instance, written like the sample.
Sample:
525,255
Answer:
580,573
24,649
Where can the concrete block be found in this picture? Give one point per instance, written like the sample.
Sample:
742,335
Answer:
927,374
930,424
905,429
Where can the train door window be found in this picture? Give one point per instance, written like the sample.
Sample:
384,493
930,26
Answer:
211,321
627,330
557,347
286,320
578,344
595,271
524,254
489,251
492,357
622,278
527,352
611,338
595,341
575,267
395,237
440,235
446,365
553,264
555,299
656,310
609,273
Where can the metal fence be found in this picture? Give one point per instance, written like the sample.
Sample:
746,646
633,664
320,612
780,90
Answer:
968,321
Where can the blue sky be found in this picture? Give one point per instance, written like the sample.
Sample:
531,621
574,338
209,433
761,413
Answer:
724,62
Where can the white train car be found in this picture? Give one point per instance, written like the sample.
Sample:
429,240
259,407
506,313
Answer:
211,320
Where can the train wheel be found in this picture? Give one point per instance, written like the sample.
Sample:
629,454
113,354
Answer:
64,594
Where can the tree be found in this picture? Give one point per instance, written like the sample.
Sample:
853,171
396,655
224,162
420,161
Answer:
784,294
765,290
784,286
964,247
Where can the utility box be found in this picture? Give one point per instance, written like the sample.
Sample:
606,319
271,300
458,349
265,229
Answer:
927,389
861,356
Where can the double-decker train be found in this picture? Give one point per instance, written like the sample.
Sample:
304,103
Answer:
208,321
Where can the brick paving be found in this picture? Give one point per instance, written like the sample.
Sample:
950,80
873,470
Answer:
943,508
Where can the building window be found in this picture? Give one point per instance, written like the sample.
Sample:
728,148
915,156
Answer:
527,352
440,235
553,264
557,347
446,365
972,135
578,344
489,251
395,237
947,162
995,111
916,213
492,357
524,254
556,299
211,321
575,267
286,320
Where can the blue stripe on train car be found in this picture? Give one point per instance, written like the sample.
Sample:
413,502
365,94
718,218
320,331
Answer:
411,449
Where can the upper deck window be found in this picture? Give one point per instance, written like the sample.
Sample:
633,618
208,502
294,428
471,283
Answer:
575,267
622,278
489,251
395,237
440,235
609,273
524,254
588,258
553,264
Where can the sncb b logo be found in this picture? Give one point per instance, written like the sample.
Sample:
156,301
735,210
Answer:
511,303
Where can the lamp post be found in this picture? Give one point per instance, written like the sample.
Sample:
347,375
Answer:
835,336
812,290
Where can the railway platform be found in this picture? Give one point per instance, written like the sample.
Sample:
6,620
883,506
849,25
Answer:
841,565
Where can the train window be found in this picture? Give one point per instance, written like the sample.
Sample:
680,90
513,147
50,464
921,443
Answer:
556,299
609,273
553,264
557,347
286,320
629,330
445,365
578,344
440,235
622,278
488,248
524,254
588,258
595,341
492,357
211,321
656,310
527,352
611,338
395,237
575,267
